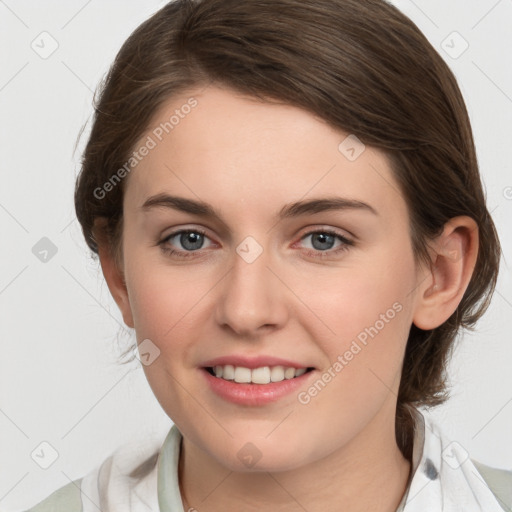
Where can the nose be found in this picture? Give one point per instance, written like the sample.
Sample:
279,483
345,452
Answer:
252,300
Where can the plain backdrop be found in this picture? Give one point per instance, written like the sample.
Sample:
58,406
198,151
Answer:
60,381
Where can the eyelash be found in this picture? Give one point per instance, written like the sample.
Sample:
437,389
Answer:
310,252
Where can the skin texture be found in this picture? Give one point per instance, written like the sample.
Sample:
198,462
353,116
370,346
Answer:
248,159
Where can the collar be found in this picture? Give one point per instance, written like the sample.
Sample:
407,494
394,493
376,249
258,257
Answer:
443,477
169,495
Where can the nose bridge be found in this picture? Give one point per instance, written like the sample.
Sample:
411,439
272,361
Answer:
252,297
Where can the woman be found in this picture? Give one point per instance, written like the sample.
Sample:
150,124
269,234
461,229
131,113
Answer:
286,204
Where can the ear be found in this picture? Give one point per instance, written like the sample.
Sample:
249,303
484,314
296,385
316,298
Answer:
453,254
113,272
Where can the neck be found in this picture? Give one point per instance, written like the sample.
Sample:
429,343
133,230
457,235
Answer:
369,474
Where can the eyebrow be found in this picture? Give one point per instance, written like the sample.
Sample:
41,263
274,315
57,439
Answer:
290,210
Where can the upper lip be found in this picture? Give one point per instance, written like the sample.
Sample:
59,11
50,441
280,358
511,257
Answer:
253,362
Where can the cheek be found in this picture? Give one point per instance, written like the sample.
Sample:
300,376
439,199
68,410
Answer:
160,297
162,308
165,306
368,311
350,300
159,293
371,321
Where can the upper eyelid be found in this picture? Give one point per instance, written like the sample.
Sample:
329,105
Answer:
333,231
172,234
305,231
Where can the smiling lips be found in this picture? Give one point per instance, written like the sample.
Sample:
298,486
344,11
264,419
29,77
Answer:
254,380
261,375
256,370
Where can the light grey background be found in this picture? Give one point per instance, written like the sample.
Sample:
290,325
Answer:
59,378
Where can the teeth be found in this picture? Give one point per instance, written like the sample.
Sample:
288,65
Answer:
242,374
289,373
228,371
262,375
277,374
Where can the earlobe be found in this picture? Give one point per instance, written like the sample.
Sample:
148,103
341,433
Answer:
116,283
454,255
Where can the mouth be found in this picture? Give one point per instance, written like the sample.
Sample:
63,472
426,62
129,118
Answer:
262,375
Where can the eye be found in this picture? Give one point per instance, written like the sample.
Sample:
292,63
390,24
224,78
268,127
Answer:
323,242
191,240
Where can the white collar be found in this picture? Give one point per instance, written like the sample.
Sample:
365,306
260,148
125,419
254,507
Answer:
443,477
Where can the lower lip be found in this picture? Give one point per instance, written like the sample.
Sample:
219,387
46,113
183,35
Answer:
254,394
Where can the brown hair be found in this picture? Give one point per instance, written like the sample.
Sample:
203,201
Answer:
363,67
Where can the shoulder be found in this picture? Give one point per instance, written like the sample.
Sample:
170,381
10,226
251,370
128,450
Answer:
66,498
499,482
128,473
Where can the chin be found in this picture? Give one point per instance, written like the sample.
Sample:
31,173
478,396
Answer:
259,455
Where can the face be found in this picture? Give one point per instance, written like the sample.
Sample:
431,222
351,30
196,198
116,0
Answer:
301,259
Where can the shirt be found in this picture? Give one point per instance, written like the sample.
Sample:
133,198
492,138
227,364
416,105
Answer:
143,478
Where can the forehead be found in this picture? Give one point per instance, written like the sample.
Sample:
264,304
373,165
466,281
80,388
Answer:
233,150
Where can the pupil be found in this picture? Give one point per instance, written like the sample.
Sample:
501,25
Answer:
324,238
